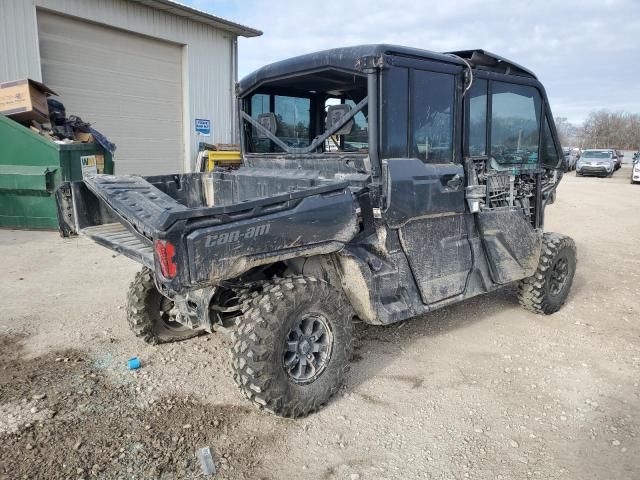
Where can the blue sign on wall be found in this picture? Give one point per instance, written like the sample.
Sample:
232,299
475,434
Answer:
203,127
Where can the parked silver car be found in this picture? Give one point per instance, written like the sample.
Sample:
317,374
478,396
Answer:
600,163
617,158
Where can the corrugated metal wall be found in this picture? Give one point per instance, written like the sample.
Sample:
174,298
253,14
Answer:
207,53
19,52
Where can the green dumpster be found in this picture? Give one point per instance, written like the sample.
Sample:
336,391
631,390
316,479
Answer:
32,167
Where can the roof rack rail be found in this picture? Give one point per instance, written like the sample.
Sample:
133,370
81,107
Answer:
482,58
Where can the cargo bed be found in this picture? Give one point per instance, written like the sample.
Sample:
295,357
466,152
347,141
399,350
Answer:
217,223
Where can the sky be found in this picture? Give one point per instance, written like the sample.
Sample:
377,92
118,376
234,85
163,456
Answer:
586,53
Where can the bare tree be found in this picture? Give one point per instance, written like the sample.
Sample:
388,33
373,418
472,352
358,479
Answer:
604,128
565,130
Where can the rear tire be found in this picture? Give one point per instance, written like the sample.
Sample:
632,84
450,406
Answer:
548,288
293,345
148,313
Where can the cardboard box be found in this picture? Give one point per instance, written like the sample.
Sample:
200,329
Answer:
83,137
25,100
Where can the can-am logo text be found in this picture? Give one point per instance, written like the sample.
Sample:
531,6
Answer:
236,235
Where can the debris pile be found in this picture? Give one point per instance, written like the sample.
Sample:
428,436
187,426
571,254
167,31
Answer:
29,103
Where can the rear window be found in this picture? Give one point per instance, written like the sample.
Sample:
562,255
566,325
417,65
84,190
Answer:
293,118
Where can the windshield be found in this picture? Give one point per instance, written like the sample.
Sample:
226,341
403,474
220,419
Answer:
324,112
596,154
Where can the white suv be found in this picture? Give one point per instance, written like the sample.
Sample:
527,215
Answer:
635,168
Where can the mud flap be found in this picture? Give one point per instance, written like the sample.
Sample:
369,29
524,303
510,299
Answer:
512,245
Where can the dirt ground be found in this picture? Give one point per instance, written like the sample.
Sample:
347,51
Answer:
480,390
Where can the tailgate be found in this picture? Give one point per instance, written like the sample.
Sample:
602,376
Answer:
82,212
135,200
116,237
318,223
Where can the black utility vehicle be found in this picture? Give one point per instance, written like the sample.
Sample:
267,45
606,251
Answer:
378,182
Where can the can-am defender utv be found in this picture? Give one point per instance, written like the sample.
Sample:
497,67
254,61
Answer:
378,182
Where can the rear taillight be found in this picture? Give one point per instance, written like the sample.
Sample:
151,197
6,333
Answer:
165,251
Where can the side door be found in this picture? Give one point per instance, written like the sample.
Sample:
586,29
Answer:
425,183
503,127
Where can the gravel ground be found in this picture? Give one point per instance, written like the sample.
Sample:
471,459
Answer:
479,390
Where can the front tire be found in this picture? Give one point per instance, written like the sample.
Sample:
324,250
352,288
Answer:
150,313
548,288
293,345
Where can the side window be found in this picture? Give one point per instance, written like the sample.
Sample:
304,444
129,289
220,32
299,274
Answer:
395,100
548,152
515,114
432,105
477,129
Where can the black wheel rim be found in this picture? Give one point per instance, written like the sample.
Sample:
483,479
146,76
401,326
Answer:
308,348
559,275
168,316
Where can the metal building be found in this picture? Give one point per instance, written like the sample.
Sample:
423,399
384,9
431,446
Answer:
143,72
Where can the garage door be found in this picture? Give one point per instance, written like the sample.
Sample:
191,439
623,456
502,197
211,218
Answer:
129,87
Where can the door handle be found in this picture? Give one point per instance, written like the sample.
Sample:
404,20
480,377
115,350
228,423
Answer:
454,181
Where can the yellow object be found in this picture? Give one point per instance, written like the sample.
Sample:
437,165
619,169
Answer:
224,158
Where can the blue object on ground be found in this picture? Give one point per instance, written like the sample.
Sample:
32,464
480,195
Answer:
134,363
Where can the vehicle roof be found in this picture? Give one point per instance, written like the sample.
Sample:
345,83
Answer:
345,58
